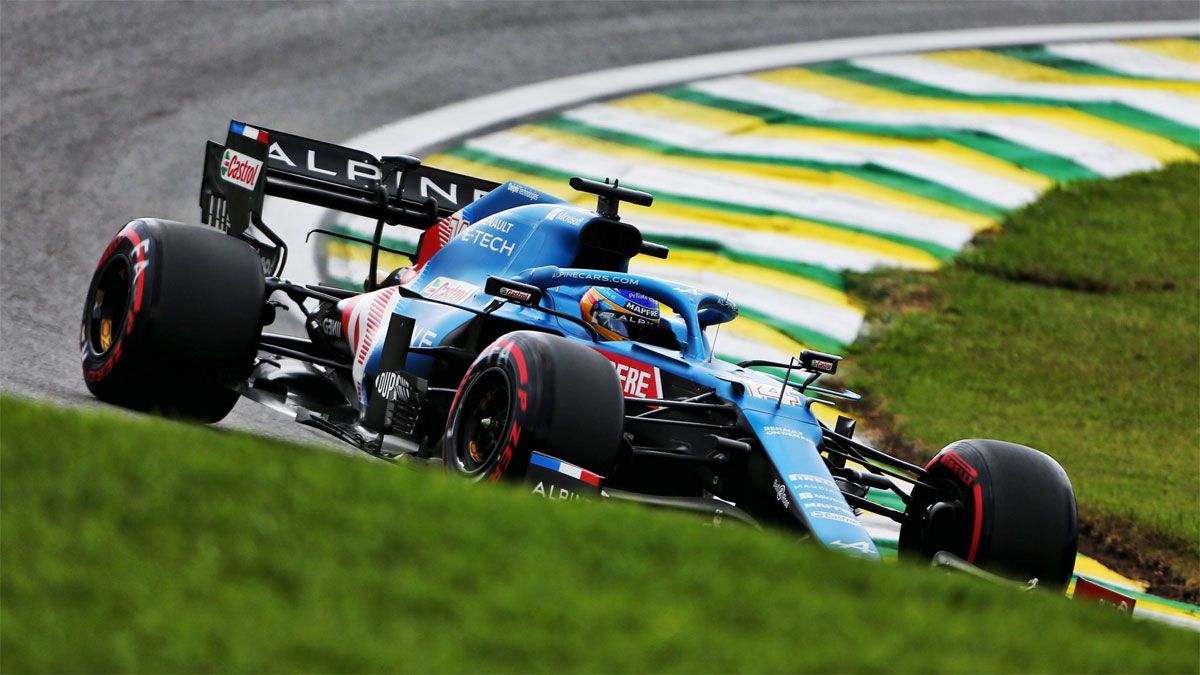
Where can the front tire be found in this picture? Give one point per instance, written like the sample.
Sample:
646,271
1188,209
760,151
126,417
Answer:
533,392
1005,507
172,317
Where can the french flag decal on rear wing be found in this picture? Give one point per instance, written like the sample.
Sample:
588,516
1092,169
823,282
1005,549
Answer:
236,127
555,479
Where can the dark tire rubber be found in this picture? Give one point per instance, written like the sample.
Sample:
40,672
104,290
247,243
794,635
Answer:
563,399
173,315
1005,507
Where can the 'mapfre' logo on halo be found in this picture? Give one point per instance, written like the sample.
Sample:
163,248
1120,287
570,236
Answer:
240,169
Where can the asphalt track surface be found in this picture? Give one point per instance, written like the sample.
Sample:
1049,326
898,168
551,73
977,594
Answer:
105,107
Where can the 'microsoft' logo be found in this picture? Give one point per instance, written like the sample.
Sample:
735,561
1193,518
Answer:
240,169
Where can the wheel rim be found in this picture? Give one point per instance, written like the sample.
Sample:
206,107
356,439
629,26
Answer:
484,422
108,305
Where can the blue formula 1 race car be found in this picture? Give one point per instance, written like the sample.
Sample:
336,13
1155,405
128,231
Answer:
518,347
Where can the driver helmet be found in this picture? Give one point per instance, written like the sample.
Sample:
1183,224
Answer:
618,314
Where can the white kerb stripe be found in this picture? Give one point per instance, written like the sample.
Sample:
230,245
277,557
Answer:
1127,59
1182,109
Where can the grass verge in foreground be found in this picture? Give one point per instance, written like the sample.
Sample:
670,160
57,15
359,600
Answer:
138,544
1075,330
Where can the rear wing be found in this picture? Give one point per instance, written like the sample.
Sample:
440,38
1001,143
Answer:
254,163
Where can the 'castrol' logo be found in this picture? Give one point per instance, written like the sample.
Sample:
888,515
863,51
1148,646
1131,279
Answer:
240,169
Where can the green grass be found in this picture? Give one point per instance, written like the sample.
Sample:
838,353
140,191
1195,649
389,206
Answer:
138,544
1076,330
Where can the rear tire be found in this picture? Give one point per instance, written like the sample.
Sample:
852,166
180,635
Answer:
533,392
172,318
1005,507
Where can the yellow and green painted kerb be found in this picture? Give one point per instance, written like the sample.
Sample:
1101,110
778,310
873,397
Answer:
771,185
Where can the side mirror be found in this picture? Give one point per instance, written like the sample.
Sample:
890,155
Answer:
844,426
819,362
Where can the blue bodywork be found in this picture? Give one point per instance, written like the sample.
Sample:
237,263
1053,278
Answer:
532,237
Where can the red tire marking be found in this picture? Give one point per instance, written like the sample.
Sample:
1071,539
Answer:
457,395
129,233
953,461
520,359
968,475
112,246
978,523
507,454
517,356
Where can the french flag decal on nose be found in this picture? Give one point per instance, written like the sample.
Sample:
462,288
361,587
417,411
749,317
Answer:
571,470
247,131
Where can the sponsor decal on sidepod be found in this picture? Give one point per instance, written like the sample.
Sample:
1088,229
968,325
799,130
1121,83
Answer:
860,546
392,386
640,380
362,318
784,431
769,391
332,327
449,290
826,515
486,240
812,479
780,492
589,275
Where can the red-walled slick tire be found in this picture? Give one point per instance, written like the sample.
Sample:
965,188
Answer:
530,392
1002,506
172,319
